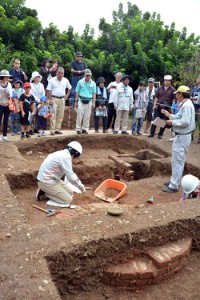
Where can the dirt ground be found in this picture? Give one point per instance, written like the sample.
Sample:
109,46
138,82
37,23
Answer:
30,240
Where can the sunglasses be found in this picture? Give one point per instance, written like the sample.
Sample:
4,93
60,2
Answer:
87,75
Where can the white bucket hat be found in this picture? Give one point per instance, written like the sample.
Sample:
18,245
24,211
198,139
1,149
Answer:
35,74
168,77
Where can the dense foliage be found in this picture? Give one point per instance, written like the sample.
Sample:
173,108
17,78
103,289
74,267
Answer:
135,43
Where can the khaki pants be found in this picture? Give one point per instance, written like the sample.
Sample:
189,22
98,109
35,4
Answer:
121,115
58,192
56,120
83,116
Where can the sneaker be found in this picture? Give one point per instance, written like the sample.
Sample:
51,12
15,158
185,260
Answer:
28,135
160,137
171,140
52,133
124,132
1,140
78,132
167,183
115,132
167,189
58,132
5,138
150,136
22,136
12,133
84,131
40,134
134,133
19,133
39,194
43,133
105,131
139,133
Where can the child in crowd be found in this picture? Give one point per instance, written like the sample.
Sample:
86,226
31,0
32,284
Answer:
37,90
139,108
43,113
27,107
101,105
175,109
17,90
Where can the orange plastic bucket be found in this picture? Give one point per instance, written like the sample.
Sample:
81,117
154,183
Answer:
110,190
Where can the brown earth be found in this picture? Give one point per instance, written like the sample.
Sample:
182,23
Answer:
62,257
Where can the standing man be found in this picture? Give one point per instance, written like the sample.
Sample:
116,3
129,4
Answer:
183,124
164,99
111,110
151,93
77,69
85,100
123,103
56,93
195,97
17,72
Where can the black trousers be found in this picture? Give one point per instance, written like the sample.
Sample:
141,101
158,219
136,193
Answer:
111,116
157,113
4,112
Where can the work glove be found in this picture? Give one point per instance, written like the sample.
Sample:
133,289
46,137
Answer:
82,188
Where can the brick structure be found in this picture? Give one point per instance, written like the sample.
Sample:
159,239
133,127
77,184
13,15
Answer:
153,267
124,169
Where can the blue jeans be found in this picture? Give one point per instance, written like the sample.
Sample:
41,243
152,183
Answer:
136,122
75,80
15,120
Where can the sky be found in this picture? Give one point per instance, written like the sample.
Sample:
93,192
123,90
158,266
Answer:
79,12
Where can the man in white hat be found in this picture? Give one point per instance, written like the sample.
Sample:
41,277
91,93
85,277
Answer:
183,124
164,98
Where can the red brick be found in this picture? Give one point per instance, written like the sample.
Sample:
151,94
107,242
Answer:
174,265
160,259
158,279
141,282
162,271
169,274
120,282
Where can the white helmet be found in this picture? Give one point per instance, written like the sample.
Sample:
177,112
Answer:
75,148
189,183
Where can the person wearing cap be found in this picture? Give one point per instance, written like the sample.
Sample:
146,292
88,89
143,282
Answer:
27,108
183,124
42,116
195,97
101,105
85,101
111,109
123,103
191,187
54,167
56,93
5,95
45,72
17,91
151,93
37,90
139,108
77,69
164,99
17,72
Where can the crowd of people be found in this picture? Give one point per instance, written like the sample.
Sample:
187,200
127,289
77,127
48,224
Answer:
45,95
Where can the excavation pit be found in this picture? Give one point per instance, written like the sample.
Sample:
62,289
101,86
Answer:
67,257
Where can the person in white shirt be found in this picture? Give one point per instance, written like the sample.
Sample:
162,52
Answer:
56,93
123,103
53,168
111,110
37,90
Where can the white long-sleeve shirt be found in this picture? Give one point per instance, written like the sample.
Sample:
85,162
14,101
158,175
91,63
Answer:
123,100
55,166
184,121
37,90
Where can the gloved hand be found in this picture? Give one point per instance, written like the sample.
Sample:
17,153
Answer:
81,187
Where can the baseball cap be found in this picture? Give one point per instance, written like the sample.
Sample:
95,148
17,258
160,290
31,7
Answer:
141,83
151,80
88,72
27,84
168,77
79,53
183,89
